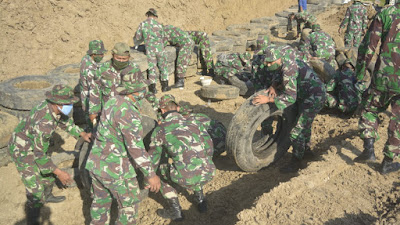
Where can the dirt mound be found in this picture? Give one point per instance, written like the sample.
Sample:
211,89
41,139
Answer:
40,35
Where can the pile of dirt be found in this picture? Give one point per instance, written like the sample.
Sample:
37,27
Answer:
40,35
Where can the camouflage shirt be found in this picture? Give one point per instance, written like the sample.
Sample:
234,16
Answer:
106,80
86,81
385,28
319,44
298,79
150,32
119,138
305,17
230,64
32,135
184,144
356,18
176,36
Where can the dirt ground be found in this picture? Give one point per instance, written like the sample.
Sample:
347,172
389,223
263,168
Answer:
331,189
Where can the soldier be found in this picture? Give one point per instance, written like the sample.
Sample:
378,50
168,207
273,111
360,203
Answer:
29,147
233,69
214,128
89,63
319,44
181,39
341,91
119,139
108,77
192,166
151,32
356,20
385,86
304,20
201,39
301,85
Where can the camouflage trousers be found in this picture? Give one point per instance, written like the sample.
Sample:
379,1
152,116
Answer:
352,39
184,55
167,184
217,132
224,71
125,191
300,135
374,102
201,39
341,93
156,60
33,180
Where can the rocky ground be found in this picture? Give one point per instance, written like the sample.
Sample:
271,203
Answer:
331,189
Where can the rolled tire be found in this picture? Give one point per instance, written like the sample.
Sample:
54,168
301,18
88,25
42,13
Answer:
25,92
9,122
219,92
252,149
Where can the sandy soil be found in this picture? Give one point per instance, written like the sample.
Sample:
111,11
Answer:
331,189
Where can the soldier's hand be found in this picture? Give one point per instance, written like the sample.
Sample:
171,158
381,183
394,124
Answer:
262,99
92,117
86,136
154,184
63,176
271,92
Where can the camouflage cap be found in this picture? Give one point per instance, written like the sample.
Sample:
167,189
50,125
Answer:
96,47
262,44
245,56
131,83
62,95
152,11
121,49
164,100
272,54
316,27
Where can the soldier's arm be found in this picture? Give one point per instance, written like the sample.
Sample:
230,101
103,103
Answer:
290,72
138,38
345,19
94,93
155,148
368,47
364,20
41,134
69,126
132,132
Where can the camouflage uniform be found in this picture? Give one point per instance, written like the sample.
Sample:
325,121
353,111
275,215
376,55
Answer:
118,140
29,144
184,143
385,84
107,79
86,79
341,91
301,85
232,65
152,33
181,39
304,20
356,19
201,39
319,44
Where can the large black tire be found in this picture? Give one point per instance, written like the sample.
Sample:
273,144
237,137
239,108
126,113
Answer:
219,92
251,149
24,93
9,122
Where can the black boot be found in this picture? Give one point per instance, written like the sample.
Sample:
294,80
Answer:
389,166
164,86
49,195
201,201
180,82
211,72
308,154
152,88
32,215
174,212
368,155
292,166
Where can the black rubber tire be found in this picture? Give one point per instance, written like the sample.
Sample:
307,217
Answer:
13,97
69,74
221,44
219,92
252,156
9,123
